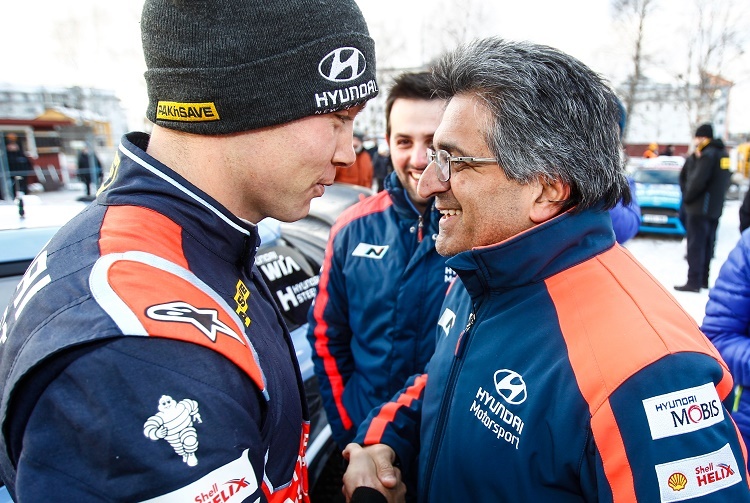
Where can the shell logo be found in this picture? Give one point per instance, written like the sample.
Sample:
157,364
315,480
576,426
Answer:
677,481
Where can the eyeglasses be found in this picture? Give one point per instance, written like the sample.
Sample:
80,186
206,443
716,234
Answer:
443,160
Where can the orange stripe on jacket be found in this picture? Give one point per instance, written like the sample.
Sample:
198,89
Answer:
388,412
142,286
633,322
373,204
132,228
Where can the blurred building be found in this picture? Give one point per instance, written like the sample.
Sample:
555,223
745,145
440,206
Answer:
668,115
53,124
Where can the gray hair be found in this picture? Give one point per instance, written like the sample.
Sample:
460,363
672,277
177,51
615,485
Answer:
552,117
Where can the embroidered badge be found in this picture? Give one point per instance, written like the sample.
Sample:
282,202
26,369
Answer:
241,296
174,423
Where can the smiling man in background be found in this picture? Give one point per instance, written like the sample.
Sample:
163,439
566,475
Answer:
382,282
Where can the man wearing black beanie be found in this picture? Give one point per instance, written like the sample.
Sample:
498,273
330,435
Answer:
704,180
143,357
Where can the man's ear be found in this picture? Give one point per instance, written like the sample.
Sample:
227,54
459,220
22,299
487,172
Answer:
550,196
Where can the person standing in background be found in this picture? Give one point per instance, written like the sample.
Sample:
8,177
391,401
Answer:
745,212
381,166
19,164
89,169
626,218
706,180
652,151
359,173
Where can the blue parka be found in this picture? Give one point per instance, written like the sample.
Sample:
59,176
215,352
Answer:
727,325
372,324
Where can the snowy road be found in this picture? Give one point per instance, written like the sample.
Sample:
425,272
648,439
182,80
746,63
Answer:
664,257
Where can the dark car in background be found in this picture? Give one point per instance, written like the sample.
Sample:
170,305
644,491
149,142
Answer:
289,258
657,189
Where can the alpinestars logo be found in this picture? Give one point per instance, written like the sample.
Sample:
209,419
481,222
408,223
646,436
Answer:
205,320
342,65
511,386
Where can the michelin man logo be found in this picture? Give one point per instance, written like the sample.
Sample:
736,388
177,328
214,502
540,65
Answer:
174,423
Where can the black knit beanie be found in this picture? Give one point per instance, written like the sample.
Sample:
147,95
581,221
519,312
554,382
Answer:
227,66
705,131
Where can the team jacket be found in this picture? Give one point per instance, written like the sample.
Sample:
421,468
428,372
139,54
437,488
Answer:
727,325
565,373
706,180
372,324
143,357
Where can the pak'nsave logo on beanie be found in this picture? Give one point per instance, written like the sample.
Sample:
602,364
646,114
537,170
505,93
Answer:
186,112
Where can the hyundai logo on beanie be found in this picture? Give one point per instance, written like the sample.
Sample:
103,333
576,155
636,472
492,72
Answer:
239,65
343,65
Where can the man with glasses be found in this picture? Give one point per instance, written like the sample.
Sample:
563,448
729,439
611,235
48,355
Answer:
143,357
563,371
382,282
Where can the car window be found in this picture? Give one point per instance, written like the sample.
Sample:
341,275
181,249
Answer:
663,176
291,279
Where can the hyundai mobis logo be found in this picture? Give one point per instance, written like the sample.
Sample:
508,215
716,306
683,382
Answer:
683,411
342,65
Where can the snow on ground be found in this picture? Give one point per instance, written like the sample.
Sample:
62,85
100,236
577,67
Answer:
664,257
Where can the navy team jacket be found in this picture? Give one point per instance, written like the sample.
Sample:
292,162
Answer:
565,373
143,357
372,324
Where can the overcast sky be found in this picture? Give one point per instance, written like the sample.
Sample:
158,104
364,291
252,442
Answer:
97,43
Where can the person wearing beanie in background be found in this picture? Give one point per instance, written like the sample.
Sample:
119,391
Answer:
359,173
143,357
704,179
652,151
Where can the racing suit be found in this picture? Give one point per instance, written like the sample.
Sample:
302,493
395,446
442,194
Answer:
372,324
143,357
564,372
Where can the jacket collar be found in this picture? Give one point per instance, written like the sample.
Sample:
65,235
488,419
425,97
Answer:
405,208
139,179
536,254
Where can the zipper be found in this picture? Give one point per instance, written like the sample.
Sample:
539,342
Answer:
456,366
420,227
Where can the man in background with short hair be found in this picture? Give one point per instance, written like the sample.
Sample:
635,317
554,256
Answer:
382,282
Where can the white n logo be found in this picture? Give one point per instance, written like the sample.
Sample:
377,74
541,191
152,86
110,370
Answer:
370,251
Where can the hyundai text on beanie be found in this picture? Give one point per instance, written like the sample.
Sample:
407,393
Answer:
705,131
227,66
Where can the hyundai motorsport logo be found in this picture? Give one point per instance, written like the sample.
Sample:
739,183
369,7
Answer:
498,415
683,411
